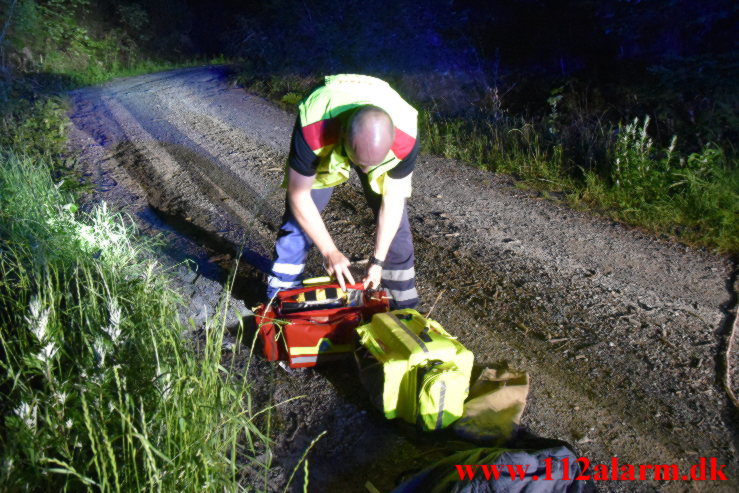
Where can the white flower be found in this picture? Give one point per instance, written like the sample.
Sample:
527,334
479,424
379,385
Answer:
113,329
101,351
163,384
35,306
47,352
39,318
60,397
27,413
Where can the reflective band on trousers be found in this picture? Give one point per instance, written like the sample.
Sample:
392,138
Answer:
289,269
408,294
399,275
275,282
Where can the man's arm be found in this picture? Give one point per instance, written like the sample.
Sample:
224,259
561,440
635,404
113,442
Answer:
388,221
306,213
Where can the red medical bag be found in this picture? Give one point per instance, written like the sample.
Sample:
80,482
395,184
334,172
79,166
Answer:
307,325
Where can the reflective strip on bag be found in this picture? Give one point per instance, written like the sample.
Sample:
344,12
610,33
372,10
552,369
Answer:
440,416
324,346
304,359
408,331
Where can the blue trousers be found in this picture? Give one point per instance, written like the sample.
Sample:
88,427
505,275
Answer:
292,246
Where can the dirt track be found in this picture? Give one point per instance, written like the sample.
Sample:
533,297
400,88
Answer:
621,332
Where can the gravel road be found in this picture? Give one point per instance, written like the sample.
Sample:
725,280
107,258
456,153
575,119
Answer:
622,332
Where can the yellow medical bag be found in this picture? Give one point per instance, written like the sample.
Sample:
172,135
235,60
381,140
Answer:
414,369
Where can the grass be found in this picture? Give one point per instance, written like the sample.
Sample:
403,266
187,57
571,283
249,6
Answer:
95,75
99,389
616,171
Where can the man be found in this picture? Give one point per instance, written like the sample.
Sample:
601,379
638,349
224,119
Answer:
359,122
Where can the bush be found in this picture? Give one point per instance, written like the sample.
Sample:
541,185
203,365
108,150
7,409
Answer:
35,127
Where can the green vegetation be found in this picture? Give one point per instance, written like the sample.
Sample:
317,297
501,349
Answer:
616,170
99,387
693,197
60,44
47,47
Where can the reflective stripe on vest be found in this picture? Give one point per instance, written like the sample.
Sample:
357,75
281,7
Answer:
322,116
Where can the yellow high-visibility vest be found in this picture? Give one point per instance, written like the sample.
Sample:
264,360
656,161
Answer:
323,116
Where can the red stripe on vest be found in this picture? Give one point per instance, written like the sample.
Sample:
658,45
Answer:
322,133
403,144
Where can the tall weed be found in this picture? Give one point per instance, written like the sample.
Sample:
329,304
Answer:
695,197
638,176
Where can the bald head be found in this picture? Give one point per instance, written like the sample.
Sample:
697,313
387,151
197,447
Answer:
369,137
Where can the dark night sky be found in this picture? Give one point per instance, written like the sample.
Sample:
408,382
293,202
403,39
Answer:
582,34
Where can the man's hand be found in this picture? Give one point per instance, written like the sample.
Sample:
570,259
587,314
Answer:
373,277
337,265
